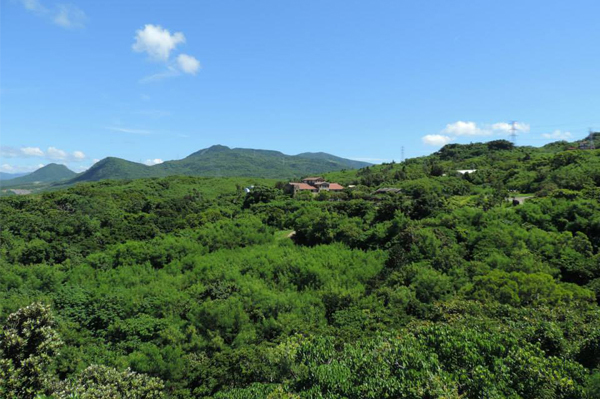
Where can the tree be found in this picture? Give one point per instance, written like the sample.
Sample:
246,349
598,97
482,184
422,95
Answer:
28,344
98,381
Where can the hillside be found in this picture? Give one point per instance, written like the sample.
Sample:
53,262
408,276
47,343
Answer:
206,291
523,168
221,161
47,174
114,168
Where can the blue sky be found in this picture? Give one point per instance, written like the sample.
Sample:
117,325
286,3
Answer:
157,80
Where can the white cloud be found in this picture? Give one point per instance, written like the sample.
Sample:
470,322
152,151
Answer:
64,15
19,168
69,16
127,130
188,64
153,161
157,41
506,127
7,168
51,154
34,5
436,140
23,152
32,151
8,152
470,128
169,73
462,128
557,135
56,154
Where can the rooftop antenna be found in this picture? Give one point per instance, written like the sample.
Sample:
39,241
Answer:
513,132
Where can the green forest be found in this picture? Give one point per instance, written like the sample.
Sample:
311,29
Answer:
215,161
185,286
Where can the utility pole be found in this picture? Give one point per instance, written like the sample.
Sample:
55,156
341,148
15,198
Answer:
513,133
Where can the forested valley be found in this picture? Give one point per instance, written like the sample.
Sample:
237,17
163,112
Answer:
195,287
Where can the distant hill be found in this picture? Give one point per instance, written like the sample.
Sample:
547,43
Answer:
4,176
221,161
115,168
333,159
47,174
592,140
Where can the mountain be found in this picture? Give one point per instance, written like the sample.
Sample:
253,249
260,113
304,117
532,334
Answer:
222,161
352,164
47,174
115,168
4,176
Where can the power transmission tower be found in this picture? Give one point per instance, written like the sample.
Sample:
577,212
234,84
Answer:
513,133
591,141
402,154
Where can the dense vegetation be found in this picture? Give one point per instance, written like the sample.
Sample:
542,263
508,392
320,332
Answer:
189,287
215,161
223,161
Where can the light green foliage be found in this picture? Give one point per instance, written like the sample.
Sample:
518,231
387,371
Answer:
439,361
28,344
191,287
99,382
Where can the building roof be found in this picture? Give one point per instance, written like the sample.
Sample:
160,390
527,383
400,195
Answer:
303,186
313,178
335,186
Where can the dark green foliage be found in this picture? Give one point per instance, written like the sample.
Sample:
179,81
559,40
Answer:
593,386
195,287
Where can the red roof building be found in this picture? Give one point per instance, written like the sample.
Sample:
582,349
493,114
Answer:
299,186
314,185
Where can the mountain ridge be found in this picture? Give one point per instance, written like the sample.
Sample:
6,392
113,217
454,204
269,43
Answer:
222,161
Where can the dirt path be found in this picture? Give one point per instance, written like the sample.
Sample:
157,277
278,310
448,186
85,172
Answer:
520,199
